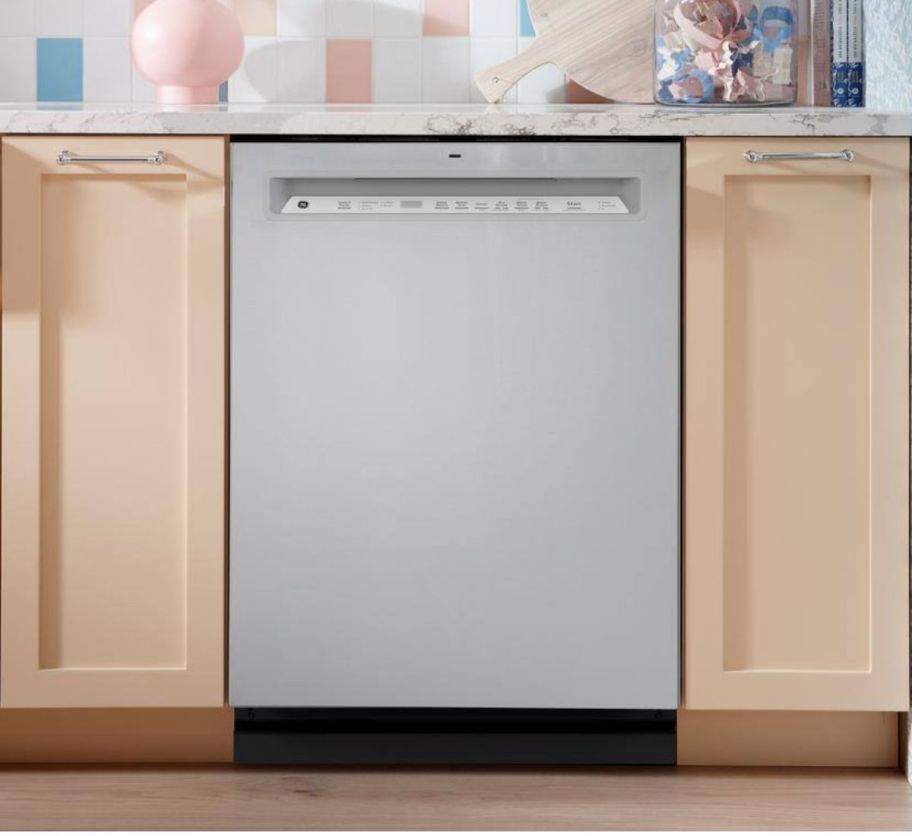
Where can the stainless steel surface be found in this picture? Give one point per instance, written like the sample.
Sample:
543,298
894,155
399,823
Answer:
69,158
771,156
455,439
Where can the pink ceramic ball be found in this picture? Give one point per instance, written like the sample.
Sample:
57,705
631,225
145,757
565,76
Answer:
187,48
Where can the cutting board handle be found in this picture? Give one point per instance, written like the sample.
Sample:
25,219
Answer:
496,81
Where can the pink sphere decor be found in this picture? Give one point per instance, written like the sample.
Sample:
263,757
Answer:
187,48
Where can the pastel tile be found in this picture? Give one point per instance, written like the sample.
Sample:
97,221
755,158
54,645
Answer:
577,94
255,80
18,70
59,18
349,70
303,51
107,18
223,92
301,18
397,70
107,73
445,70
349,18
17,18
546,85
446,18
492,18
59,69
397,18
526,29
302,70
484,53
258,17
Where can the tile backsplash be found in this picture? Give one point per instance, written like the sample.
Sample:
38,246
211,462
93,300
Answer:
297,51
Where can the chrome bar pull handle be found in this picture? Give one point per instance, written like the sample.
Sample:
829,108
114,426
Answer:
68,158
846,155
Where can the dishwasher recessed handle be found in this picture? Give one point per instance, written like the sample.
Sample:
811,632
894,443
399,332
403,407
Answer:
69,158
846,155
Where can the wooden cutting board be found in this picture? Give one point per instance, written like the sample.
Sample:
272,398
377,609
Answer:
604,45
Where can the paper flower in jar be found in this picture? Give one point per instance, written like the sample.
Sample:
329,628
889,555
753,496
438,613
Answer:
707,23
777,24
695,87
672,56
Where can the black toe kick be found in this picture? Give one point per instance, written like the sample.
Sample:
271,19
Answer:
454,737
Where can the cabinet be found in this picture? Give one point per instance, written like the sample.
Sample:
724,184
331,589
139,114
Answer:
113,423
797,426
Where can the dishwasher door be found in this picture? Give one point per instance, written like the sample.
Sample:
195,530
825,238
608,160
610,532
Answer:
455,420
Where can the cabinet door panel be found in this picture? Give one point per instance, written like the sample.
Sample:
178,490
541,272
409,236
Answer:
797,466
112,425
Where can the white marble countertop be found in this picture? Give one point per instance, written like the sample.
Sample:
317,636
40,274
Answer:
449,120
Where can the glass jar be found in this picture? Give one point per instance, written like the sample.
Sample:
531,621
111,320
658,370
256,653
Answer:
726,52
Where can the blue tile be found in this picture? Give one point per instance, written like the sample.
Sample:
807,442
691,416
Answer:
59,69
223,91
526,29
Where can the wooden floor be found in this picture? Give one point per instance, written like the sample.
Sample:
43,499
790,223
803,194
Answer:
568,799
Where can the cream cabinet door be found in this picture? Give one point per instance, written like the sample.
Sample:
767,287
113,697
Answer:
113,424
797,426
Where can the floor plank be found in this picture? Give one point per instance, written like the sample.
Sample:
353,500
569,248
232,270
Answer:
337,799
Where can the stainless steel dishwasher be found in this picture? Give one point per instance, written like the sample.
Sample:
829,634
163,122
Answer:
455,411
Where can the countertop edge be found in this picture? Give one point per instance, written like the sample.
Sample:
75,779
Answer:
453,122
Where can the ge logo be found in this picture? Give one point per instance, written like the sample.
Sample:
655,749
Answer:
303,204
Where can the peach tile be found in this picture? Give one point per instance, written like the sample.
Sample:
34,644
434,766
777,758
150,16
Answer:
258,17
349,70
446,18
577,94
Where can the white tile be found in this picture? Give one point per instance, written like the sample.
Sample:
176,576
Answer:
397,18
397,70
17,17
18,70
301,18
302,70
255,79
143,89
107,18
492,18
546,85
59,18
107,70
488,51
445,70
349,18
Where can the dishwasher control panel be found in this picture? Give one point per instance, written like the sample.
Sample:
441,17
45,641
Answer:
462,205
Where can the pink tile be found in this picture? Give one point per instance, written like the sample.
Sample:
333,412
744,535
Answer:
446,18
258,17
577,94
139,5
348,70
